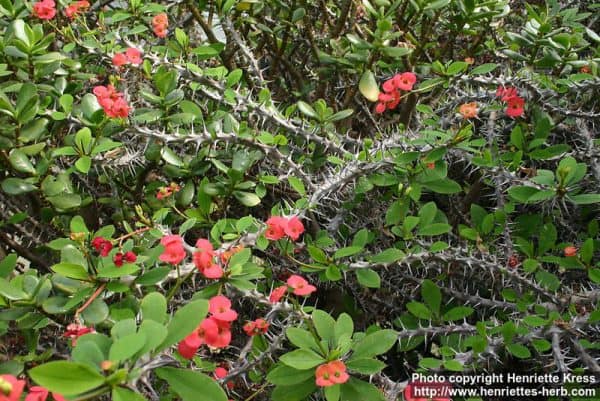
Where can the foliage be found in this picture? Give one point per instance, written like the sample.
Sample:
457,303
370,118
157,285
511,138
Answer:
377,187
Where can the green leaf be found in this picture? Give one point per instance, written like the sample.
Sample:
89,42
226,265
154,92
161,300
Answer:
125,347
446,186
96,312
11,292
375,344
301,338
343,327
585,199
17,186
124,394
246,198
368,86
192,386
302,359
297,184
390,255
297,392
347,251
484,69
358,390
419,310
186,319
8,264
283,375
432,295
457,313
20,162
435,229
519,350
332,393
83,164
594,275
324,324
307,110
71,270
154,307
368,278
80,378
365,366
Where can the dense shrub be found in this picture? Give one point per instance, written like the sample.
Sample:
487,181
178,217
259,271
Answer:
264,200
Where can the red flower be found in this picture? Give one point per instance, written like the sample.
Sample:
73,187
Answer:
259,326
223,338
111,101
186,350
45,9
72,10
203,258
213,272
331,373
505,94
275,228
294,228
74,331
277,294
220,308
160,23
102,246
174,252
119,59
405,81
300,285
221,372
38,393
570,251
515,106
10,388
207,332
119,258
134,56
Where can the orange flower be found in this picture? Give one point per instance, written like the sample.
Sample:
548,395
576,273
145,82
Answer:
570,251
469,60
331,373
468,110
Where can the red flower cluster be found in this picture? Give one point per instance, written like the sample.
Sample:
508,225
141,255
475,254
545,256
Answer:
128,257
75,8
11,388
45,9
131,56
75,330
204,260
332,373
391,96
111,101
259,326
160,23
165,192
278,227
102,246
38,393
174,252
514,102
214,331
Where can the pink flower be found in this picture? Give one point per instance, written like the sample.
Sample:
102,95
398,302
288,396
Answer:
11,388
220,308
277,294
119,59
174,252
38,393
213,271
405,81
389,85
505,94
300,286
294,228
223,338
275,228
134,56
45,9
111,101
515,106
160,23
118,109
259,326
221,372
